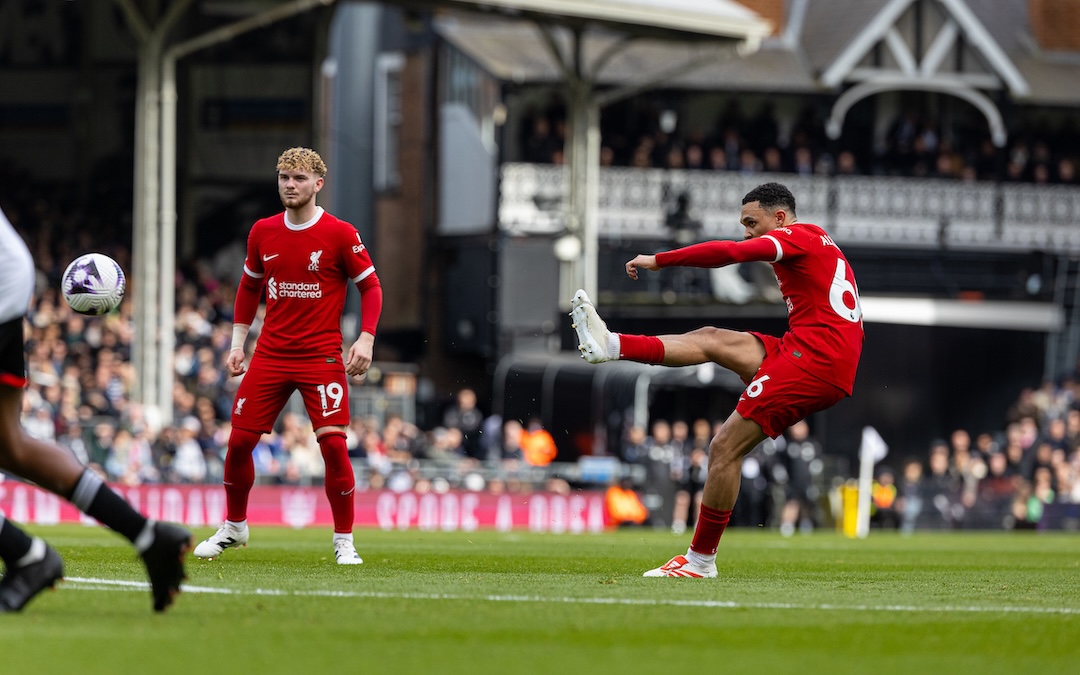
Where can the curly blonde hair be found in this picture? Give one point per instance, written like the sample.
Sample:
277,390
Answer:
302,159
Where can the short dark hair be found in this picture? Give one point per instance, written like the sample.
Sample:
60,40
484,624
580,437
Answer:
771,196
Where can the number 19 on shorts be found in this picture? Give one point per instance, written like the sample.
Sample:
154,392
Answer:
330,392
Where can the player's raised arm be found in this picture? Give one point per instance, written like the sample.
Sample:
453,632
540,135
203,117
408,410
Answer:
721,253
708,254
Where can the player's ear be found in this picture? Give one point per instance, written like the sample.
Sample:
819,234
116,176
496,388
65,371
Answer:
780,217
319,183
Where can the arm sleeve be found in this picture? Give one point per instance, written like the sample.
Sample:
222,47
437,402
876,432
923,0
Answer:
720,253
371,301
247,299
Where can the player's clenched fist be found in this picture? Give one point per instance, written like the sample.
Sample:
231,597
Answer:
647,262
235,362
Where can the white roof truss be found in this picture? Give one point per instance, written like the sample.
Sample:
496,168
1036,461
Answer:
958,32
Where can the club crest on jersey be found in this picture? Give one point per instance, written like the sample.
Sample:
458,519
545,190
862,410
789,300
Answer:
240,405
314,266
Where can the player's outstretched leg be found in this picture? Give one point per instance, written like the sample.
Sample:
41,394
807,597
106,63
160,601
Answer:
229,535
164,560
594,338
20,584
679,566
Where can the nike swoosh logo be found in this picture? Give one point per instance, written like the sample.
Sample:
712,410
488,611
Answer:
267,258
328,413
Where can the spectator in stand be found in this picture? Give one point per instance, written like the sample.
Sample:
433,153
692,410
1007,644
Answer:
939,490
1042,495
541,143
642,155
463,414
189,463
803,161
303,459
883,511
623,505
511,452
1057,433
400,439
634,448
909,504
846,164
674,158
717,159
267,456
695,157
537,445
985,445
1072,428
749,162
445,444
1065,172
1017,457
801,458
772,161
996,492
1042,457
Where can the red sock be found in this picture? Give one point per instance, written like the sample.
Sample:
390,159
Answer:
643,348
340,481
709,529
239,473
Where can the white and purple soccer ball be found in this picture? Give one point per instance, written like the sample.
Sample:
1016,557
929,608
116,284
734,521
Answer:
93,284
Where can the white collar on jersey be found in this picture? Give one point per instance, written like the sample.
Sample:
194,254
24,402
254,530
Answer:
303,226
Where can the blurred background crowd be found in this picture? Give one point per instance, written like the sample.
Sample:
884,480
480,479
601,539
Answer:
1038,152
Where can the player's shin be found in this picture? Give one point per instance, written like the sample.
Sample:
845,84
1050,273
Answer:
641,348
239,473
340,481
96,499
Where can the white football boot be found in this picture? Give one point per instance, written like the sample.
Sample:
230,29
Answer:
227,536
593,334
345,553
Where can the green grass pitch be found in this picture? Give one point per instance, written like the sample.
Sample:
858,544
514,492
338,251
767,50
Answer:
487,602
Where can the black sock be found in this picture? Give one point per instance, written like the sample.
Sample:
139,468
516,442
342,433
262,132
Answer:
97,500
14,543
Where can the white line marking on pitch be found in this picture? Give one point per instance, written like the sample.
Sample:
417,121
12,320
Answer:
91,584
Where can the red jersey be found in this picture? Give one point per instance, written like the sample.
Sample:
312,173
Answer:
306,269
825,330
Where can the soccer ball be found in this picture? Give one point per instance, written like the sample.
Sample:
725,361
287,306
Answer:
93,284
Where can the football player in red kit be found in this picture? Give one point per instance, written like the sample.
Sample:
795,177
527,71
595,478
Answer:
304,258
809,368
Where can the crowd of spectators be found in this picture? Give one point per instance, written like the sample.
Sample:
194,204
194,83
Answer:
913,146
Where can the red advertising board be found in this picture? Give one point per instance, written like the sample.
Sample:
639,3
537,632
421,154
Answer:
203,505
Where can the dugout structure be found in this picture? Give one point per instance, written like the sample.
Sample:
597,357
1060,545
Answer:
587,408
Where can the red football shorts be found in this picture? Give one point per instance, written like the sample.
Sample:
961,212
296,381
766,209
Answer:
268,384
781,393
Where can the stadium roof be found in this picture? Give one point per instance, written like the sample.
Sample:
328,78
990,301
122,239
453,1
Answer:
513,51
822,45
684,19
